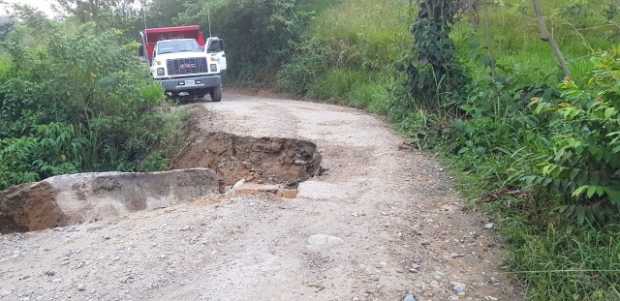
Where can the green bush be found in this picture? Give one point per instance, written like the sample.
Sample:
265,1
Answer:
584,166
260,34
77,100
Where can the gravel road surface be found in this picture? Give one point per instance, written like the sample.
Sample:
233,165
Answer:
382,220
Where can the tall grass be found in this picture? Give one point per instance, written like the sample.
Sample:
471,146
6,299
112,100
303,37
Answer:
509,33
348,54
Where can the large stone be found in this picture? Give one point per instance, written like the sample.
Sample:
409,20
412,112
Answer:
89,197
324,241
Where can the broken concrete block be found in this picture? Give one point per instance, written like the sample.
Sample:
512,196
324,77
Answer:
88,197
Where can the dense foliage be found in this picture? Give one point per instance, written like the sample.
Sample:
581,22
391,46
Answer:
584,166
259,34
75,99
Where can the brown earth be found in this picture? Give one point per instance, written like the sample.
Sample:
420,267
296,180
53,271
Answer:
265,160
29,207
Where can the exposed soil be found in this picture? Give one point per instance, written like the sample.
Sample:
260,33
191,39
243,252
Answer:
263,160
382,220
29,207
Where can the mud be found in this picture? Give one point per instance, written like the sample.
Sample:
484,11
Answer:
260,160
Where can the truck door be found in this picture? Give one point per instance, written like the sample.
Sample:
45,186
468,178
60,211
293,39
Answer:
215,48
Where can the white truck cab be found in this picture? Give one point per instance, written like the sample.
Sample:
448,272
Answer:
215,47
185,68
184,62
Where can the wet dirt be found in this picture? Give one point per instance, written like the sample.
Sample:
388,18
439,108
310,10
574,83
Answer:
261,160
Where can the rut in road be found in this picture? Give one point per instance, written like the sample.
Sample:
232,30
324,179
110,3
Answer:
382,220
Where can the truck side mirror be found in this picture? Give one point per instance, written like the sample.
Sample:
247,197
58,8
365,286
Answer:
141,51
215,45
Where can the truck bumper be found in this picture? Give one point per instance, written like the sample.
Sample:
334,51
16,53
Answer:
189,84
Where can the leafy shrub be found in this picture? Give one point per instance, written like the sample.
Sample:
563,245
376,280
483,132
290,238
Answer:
75,101
260,34
305,68
585,164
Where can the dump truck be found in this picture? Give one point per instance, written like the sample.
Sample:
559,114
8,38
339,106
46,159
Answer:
184,61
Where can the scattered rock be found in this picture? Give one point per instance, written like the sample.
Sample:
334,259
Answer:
252,188
458,288
238,184
50,273
324,240
409,297
489,226
414,268
287,193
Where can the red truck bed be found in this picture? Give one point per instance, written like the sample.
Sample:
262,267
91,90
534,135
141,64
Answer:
151,36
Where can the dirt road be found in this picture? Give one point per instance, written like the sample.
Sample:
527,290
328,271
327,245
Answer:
382,220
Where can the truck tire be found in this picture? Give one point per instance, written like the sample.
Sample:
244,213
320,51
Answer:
216,94
200,95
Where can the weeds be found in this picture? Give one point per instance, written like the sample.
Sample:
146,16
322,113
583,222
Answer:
77,101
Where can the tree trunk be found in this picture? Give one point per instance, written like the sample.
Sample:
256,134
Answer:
546,36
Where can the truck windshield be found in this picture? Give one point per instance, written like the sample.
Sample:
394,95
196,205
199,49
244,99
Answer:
172,46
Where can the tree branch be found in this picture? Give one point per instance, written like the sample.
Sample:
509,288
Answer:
547,37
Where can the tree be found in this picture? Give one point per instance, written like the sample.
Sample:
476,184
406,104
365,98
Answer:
92,10
433,72
166,12
546,36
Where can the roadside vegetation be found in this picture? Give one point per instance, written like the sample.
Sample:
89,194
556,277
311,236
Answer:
477,85
75,98
470,80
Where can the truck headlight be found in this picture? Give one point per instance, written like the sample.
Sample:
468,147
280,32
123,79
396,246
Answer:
161,71
213,67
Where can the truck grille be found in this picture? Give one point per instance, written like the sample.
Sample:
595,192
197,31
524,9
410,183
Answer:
187,66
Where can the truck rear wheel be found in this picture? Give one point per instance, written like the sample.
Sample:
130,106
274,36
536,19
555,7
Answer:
216,94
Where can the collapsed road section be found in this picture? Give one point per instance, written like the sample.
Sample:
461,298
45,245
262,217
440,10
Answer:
263,160
206,166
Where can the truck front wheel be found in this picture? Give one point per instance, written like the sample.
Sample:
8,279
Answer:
216,94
